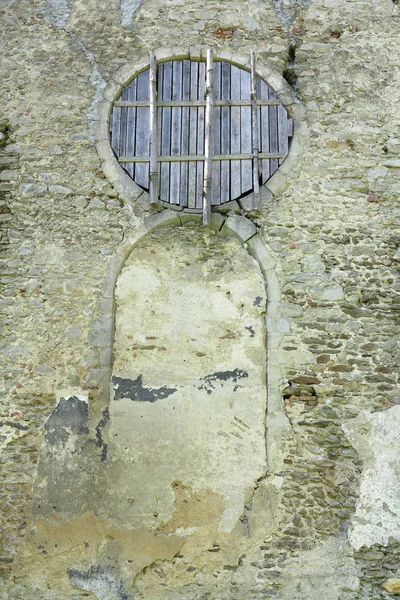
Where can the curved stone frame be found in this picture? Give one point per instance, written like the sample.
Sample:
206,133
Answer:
129,190
102,327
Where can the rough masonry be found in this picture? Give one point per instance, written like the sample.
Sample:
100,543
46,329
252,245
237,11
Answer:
115,483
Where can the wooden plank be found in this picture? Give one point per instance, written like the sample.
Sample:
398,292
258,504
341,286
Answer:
172,103
123,125
194,74
245,133
166,89
225,130
200,136
216,165
153,184
160,77
208,141
115,130
142,129
247,103
132,103
199,157
176,119
183,193
264,138
131,128
273,132
235,134
254,132
258,92
283,138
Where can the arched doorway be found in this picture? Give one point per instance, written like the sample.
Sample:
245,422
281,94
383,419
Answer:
188,402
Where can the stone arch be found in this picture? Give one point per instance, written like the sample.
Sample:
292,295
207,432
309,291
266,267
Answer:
276,326
86,483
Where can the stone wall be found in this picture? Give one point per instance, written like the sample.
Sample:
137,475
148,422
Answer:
323,519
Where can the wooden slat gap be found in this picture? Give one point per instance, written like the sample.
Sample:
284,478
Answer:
189,103
200,157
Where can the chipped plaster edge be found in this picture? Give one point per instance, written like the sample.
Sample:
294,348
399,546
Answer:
277,424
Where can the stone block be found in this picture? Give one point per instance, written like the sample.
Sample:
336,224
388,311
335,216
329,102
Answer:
111,169
278,183
127,71
240,227
124,185
101,331
392,586
191,218
101,127
163,54
32,189
280,325
97,376
106,357
248,203
165,217
231,206
105,306
195,52
265,195
331,293
258,249
73,332
104,150
112,90
113,268
60,189
8,175
216,221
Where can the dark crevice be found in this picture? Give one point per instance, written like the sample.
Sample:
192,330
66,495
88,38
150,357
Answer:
100,443
289,73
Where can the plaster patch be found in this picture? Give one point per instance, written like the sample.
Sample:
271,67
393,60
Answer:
58,12
129,9
221,376
92,113
91,554
70,416
326,571
184,301
376,438
134,390
102,581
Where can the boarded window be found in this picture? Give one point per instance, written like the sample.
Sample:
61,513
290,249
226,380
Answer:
180,119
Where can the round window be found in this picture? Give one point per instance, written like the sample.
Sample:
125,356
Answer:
180,117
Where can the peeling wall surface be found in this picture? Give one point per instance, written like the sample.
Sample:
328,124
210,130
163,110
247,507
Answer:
191,412
189,378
